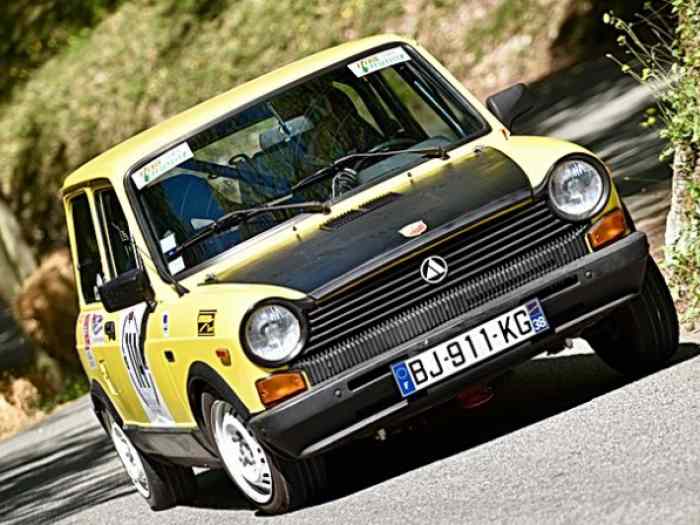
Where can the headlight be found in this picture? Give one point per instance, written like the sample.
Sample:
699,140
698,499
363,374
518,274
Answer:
577,189
273,334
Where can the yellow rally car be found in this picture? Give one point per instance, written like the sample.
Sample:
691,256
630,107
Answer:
330,249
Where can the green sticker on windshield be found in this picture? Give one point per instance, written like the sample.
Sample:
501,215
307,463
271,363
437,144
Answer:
379,61
161,165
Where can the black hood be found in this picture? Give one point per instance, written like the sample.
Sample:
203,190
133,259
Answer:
351,246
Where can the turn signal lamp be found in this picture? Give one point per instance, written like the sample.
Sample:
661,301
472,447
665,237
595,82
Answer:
608,229
224,356
278,387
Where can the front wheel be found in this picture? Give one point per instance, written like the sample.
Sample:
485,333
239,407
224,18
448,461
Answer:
641,336
162,486
272,484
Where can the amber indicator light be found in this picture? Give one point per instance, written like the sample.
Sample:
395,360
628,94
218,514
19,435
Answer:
224,356
608,229
278,387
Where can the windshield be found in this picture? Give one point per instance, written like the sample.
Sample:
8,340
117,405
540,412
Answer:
386,101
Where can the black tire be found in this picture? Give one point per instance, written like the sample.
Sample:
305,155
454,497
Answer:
641,336
295,483
167,485
299,483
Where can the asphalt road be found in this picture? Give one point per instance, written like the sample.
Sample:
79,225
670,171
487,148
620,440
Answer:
566,440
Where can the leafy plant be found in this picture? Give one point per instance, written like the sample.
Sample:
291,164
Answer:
669,64
35,31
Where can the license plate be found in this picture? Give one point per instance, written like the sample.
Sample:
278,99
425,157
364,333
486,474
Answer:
463,351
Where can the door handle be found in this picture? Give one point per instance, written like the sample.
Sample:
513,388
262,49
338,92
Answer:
110,330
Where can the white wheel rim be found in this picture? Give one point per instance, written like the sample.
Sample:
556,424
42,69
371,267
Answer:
131,460
243,457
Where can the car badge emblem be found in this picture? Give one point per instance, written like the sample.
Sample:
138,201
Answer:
434,269
414,229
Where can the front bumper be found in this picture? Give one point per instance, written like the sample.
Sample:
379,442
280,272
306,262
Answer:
366,397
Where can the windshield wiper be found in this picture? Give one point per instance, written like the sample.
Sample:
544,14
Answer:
330,170
235,217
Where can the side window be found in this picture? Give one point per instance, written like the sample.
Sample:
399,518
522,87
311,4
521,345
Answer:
89,264
120,251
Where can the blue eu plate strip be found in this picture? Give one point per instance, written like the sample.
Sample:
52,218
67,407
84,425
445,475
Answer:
403,378
537,318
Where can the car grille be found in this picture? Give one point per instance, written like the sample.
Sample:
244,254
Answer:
395,306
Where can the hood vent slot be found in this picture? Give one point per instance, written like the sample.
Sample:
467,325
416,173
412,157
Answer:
346,218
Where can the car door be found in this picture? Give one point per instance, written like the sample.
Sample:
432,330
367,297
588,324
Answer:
143,366
93,329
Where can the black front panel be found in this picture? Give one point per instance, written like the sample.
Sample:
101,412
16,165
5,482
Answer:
462,192
397,305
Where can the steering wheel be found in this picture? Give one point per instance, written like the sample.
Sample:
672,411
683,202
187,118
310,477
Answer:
387,145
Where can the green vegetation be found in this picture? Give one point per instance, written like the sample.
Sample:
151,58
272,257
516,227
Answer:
34,31
89,74
669,63
73,386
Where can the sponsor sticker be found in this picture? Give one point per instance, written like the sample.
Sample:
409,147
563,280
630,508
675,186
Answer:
161,165
168,243
90,358
131,346
206,323
97,328
166,324
176,265
379,61
87,341
86,330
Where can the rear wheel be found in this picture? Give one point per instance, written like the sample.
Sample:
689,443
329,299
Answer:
162,486
272,484
641,336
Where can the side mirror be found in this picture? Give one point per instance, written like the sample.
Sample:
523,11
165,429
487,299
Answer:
511,104
128,289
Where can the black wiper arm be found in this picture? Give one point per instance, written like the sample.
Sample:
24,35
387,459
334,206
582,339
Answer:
327,171
234,217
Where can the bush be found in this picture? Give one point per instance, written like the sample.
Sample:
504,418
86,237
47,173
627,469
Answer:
670,67
34,31
47,309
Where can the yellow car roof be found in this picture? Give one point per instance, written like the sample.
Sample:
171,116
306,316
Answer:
118,160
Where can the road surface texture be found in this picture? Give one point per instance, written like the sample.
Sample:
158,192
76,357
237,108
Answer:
566,440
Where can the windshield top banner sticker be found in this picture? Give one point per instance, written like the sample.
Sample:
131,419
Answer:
161,165
379,61
133,322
